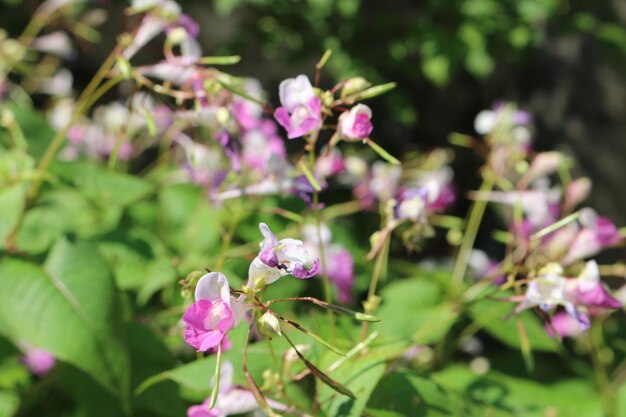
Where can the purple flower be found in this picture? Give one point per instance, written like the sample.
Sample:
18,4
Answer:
589,291
339,261
262,147
546,291
278,258
301,111
248,113
230,149
597,233
213,314
330,164
564,325
39,361
356,124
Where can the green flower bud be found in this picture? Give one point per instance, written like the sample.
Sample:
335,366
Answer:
268,325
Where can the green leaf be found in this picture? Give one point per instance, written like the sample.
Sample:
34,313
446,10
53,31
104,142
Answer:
35,128
102,186
9,403
421,300
70,309
63,211
407,394
360,375
11,205
189,223
523,397
148,357
492,316
197,375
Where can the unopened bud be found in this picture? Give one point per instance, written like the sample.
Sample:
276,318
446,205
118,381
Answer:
371,304
268,325
354,85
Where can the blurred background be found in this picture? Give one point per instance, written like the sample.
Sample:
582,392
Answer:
562,60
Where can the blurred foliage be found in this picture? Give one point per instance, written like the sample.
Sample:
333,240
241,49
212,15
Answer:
414,43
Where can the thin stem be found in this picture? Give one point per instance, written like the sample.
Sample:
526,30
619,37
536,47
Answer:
475,218
87,98
217,376
381,258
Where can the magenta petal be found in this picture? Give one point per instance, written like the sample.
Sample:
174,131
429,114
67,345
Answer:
195,314
282,117
362,126
598,297
196,318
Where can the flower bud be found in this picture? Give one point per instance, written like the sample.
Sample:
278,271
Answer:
354,85
268,325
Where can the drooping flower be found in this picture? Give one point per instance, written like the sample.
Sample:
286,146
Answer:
356,124
38,360
301,110
213,313
278,258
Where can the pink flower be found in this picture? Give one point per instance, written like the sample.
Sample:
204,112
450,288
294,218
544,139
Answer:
589,291
330,164
564,325
248,113
356,124
39,361
301,111
596,234
260,147
213,314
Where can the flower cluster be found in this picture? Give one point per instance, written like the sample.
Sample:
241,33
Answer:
547,235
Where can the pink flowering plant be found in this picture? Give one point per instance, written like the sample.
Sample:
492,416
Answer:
176,240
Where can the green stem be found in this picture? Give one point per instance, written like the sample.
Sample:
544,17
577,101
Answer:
475,218
594,336
216,376
381,258
87,98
